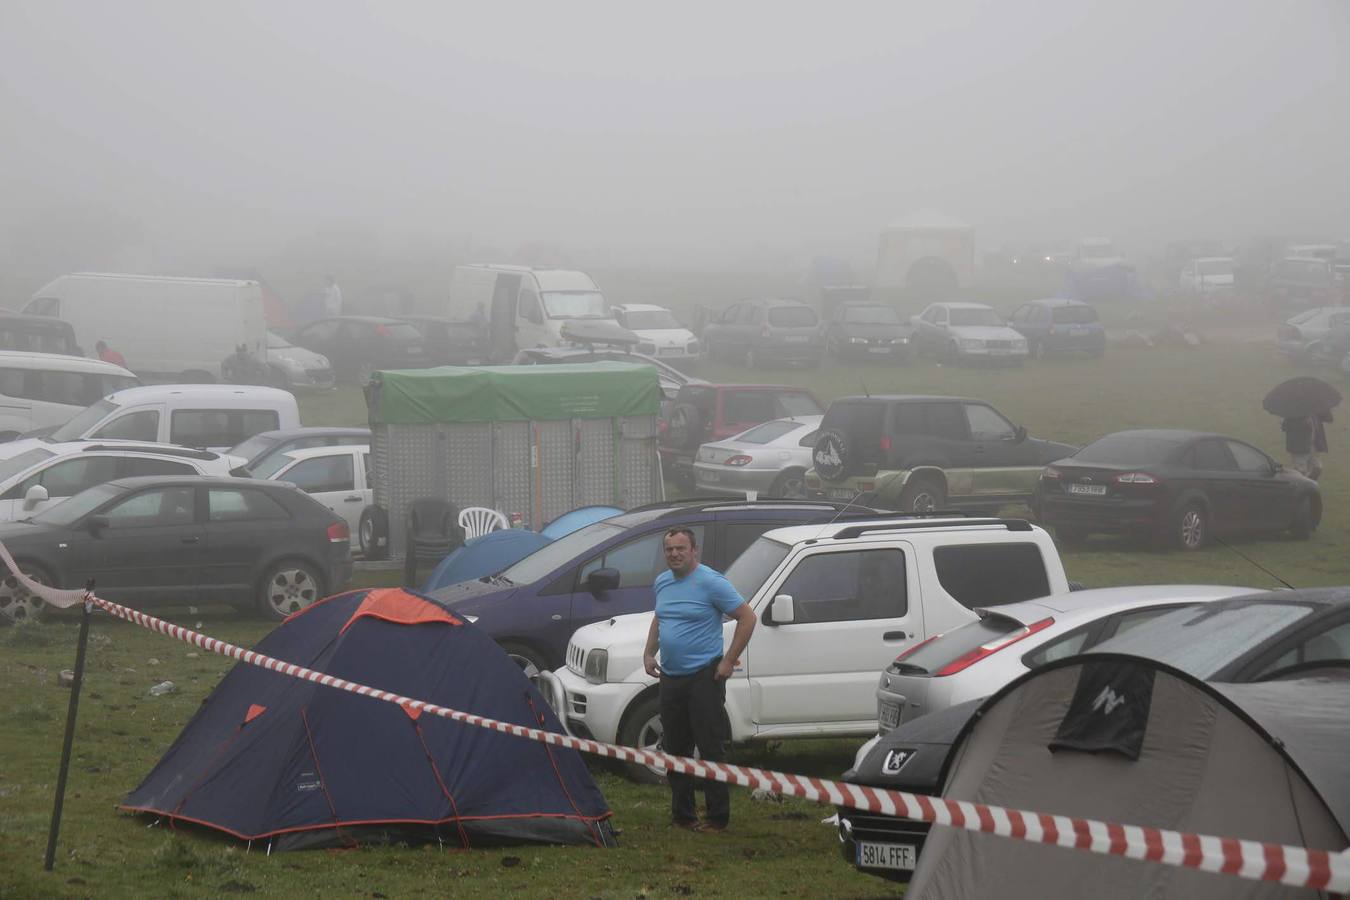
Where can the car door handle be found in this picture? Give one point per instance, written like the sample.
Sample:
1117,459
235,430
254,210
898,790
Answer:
894,636
355,498
190,540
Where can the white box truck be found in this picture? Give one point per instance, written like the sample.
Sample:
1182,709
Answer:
175,329
522,307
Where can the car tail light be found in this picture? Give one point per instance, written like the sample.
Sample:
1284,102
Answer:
1136,478
764,331
381,331
661,427
1052,472
338,532
967,660
886,443
866,485
738,460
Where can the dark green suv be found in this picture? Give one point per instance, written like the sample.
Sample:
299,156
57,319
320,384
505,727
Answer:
919,453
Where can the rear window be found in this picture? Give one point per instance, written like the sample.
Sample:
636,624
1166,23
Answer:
401,330
792,317
1073,315
871,315
769,431
1202,641
797,404
1128,448
953,645
981,575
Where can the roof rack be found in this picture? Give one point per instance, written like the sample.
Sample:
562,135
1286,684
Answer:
854,531
188,452
734,501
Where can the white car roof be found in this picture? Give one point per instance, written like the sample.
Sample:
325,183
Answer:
215,392
639,307
60,361
1088,605
905,525
964,305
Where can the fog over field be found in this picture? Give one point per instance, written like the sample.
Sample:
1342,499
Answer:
178,137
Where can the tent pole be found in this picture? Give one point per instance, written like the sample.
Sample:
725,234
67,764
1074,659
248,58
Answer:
71,710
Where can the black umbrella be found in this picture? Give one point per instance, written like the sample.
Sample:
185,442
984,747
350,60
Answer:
1300,397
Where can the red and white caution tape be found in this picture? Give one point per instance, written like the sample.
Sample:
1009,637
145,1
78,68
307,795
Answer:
1254,860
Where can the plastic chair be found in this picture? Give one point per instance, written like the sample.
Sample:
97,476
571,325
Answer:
433,530
479,520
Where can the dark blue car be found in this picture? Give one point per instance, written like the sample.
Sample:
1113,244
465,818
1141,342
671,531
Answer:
1059,326
607,569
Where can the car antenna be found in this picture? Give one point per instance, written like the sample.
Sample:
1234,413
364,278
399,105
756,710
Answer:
1248,559
866,393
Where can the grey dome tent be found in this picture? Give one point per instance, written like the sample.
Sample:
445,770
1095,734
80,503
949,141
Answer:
1133,741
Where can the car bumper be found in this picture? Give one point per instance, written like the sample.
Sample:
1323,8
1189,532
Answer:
595,709
732,480
1114,516
992,355
857,827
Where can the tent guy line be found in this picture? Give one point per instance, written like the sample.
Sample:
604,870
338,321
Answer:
1295,866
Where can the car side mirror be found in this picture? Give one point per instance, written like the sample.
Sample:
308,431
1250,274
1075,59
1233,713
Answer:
1019,434
35,495
781,611
602,580
95,524
1276,468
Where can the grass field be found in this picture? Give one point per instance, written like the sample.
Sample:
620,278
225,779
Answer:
774,849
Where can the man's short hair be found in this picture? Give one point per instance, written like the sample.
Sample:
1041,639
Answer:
687,532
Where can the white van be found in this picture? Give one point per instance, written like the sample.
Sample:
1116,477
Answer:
524,307
177,329
204,416
43,390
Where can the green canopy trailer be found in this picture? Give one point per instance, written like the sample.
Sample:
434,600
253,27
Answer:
534,440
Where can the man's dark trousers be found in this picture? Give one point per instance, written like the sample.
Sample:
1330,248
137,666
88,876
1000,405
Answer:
693,709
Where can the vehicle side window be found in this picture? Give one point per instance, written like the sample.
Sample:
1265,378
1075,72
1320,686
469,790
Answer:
219,427
1249,459
747,406
947,420
12,383
528,305
736,536
1068,645
940,316
732,313
847,587
986,424
981,575
908,418
1330,645
241,504
70,388
639,561
930,314
749,314
321,331
323,474
44,306
135,466
69,477
142,425
1212,455
157,506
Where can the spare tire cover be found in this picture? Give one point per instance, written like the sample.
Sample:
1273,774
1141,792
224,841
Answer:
831,456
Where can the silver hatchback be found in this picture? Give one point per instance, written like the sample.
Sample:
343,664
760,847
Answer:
770,459
976,659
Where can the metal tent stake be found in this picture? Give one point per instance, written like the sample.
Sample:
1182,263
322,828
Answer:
83,642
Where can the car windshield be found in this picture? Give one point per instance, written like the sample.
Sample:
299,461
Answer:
1128,449
1073,315
792,317
650,320
769,431
871,315
16,464
277,342
84,420
1214,266
254,447
799,405
1097,250
67,511
978,315
748,573
271,464
1202,641
546,559
575,305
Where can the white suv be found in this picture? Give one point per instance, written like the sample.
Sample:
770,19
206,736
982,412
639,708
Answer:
46,474
836,604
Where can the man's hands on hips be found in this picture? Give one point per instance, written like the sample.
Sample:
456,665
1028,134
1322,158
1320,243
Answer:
649,663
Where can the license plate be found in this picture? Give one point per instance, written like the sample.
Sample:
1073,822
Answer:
878,349
885,856
840,494
671,351
796,339
1092,490
888,715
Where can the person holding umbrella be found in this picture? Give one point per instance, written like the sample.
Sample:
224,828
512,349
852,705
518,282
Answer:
1304,403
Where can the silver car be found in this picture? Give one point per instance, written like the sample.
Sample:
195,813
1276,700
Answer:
976,659
770,459
1304,334
966,332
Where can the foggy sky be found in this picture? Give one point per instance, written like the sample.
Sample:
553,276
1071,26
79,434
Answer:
700,127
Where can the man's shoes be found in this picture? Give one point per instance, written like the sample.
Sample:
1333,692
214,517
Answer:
711,828
691,825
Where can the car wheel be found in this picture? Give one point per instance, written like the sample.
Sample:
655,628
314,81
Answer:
531,661
1190,528
923,494
642,729
1307,516
289,586
17,603
373,533
790,485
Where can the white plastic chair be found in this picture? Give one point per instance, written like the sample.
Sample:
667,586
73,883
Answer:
479,520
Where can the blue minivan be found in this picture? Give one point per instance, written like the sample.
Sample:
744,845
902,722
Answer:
607,569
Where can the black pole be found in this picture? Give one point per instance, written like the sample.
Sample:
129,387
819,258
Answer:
70,734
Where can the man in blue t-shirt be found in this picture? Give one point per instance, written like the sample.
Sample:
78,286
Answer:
691,600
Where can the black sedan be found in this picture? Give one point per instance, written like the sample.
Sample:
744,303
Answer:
358,345
866,331
1178,487
1258,637
183,540
450,342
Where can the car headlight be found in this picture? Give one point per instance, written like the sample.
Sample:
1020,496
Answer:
692,348
902,340
857,340
597,664
969,343
1020,344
